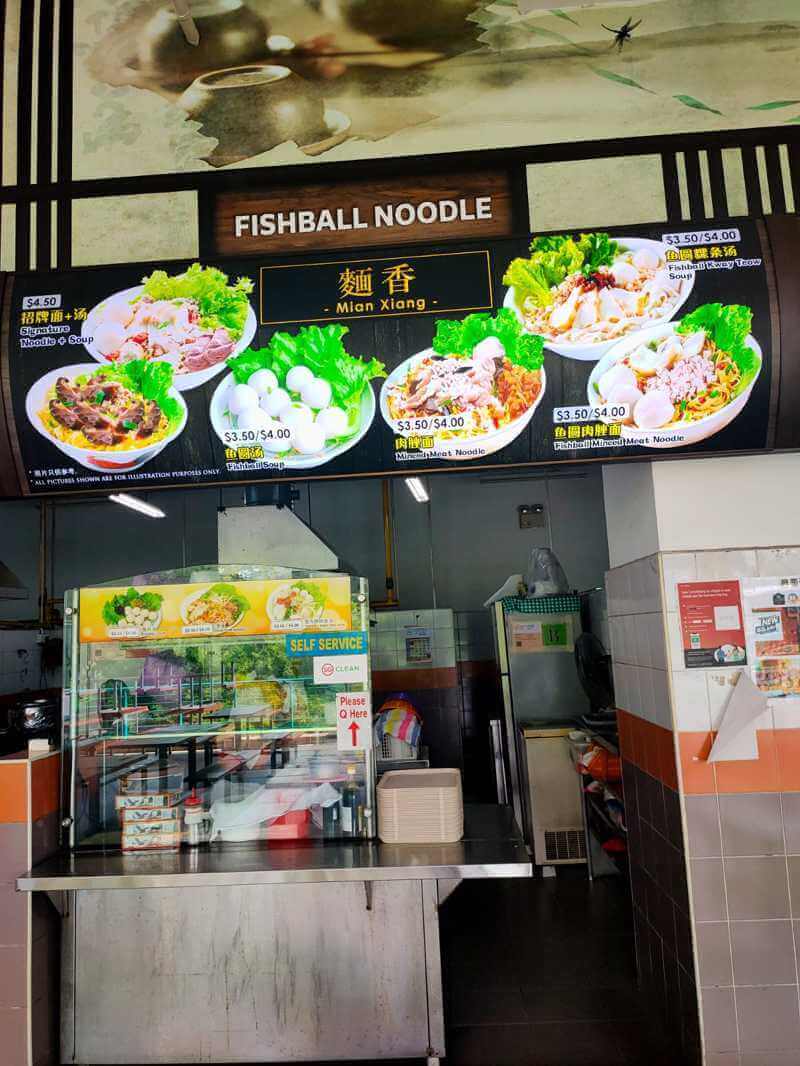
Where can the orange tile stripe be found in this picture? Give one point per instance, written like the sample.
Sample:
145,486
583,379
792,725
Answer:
13,792
777,768
650,747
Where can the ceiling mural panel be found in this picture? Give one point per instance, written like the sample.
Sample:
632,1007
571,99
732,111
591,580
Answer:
296,81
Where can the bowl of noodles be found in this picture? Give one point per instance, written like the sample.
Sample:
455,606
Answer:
108,418
473,392
680,382
214,609
584,293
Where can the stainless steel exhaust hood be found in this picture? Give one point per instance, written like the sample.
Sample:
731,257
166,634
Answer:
11,588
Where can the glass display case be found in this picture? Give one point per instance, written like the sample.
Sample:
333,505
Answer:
200,708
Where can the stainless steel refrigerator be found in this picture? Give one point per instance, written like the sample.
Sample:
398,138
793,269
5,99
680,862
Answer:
542,697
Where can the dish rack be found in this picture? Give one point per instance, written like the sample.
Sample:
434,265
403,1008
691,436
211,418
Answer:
393,748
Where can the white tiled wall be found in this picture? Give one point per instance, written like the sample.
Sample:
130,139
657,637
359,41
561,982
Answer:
388,638
19,660
638,643
700,696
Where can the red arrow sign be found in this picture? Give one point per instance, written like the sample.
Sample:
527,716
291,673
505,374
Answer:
354,727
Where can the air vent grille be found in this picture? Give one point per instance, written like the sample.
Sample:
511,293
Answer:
564,844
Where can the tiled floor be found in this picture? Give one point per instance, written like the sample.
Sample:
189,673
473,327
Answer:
541,973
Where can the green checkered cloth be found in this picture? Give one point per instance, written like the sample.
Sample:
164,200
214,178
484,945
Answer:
543,604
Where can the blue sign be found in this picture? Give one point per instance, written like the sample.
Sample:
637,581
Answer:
327,644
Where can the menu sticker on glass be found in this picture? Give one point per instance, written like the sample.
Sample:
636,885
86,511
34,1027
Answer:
712,629
772,619
340,669
220,608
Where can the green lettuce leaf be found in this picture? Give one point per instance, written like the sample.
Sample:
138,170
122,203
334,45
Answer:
151,379
459,338
230,592
322,351
529,283
728,326
220,304
598,250
552,259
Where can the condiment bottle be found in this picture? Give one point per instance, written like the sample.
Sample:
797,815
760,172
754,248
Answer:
195,817
351,804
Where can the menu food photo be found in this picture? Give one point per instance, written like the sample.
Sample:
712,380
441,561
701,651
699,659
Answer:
538,349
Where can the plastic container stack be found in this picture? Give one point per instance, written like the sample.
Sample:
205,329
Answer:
420,807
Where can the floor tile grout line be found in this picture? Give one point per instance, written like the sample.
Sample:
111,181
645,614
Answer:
728,920
791,906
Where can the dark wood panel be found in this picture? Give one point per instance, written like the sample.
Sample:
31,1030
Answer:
694,184
10,482
461,189
784,238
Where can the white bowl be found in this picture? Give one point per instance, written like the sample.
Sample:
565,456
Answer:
221,424
196,596
182,382
110,460
597,349
461,447
670,436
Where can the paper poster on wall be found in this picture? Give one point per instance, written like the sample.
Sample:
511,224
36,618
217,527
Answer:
772,619
712,630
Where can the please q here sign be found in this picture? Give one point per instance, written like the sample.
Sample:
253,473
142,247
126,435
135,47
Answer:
353,721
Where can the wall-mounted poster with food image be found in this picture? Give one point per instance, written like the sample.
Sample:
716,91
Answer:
772,625
236,608
303,398
194,320
393,364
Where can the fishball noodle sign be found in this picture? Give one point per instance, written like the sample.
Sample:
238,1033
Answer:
514,352
241,608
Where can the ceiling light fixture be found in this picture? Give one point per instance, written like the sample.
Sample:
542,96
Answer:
136,504
187,23
417,489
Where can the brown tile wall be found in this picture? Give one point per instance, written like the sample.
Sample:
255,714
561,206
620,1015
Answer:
456,705
661,907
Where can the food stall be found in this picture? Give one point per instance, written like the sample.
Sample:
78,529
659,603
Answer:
219,817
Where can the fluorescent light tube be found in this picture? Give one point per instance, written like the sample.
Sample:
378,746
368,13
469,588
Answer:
136,504
417,489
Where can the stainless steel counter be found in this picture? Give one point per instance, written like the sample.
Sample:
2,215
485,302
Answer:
277,954
491,847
